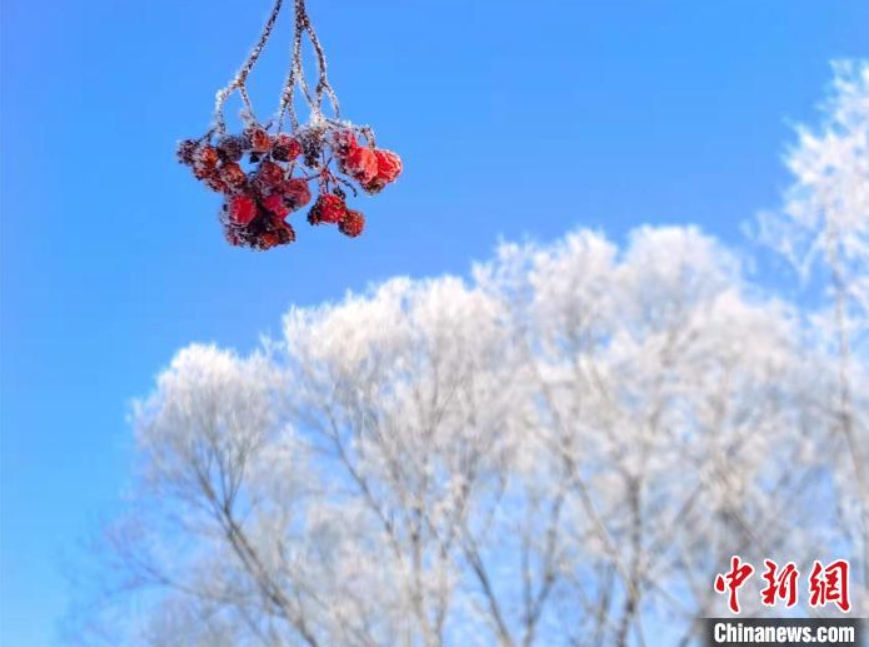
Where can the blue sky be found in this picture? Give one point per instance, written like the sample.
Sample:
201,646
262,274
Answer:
514,118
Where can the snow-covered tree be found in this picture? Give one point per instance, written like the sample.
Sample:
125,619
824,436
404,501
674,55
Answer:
823,231
563,449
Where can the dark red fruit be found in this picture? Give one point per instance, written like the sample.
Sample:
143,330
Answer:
269,177
267,240
343,141
286,234
374,186
275,205
285,148
207,156
296,193
230,148
328,208
242,210
258,140
186,151
216,184
232,175
352,224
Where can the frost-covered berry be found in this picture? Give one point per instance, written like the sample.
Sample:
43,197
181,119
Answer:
257,139
343,141
352,223
276,206
216,184
328,208
285,232
360,164
201,172
389,165
232,175
312,147
268,177
296,193
267,240
186,151
285,148
374,186
230,148
207,156
242,210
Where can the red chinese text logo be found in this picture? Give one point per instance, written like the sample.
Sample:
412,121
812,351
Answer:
827,584
733,580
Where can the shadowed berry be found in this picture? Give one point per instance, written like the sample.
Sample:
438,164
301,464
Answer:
267,240
285,232
258,140
230,148
312,147
201,172
352,224
233,175
207,156
328,208
186,151
269,177
374,186
296,193
343,141
216,184
286,148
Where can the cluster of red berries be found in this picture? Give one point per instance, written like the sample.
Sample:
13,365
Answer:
259,201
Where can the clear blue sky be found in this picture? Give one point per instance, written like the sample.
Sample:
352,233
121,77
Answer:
513,117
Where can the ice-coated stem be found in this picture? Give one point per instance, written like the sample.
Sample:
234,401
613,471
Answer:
240,78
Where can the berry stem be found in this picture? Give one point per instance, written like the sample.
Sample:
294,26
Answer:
296,74
240,78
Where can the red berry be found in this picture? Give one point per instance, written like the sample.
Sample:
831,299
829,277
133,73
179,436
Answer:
274,204
186,151
352,224
286,234
233,175
360,164
328,208
258,139
207,156
230,148
242,210
216,184
201,172
296,193
343,141
374,186
389,165
269,176
267,240
285,148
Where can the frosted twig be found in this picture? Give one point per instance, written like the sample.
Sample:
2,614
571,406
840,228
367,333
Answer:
240,78
297,74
